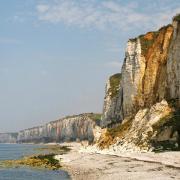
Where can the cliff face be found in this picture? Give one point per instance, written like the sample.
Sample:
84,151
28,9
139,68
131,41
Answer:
173,63
144,76
72,128
144,70
141,106
8,137
112,101
150,75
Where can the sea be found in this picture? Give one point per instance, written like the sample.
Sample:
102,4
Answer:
17,151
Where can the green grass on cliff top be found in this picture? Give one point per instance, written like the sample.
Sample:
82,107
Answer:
94,116
177,17
146,44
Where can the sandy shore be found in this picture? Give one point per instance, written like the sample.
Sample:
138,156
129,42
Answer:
147,166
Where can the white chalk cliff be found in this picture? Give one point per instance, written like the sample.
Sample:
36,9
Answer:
148,97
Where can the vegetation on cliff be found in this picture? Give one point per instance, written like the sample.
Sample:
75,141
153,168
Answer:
177,17
114,84
147,41
172,122
94,116
111,135
157,128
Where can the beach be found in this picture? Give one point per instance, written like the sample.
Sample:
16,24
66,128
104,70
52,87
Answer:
83,164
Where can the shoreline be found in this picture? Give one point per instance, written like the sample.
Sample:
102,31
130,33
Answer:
168,158
87,162
88,165
41,158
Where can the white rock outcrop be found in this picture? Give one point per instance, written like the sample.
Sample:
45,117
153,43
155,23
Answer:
132,75
173,63
72,128
112,101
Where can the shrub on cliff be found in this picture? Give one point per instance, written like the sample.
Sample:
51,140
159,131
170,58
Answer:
177,17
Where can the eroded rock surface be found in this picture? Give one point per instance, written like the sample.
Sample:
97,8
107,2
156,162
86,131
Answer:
112,101
151,129
150,82
72,128
144,70
173,64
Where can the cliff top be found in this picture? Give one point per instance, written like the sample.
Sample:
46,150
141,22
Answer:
148,39
94,116
10,134
176,18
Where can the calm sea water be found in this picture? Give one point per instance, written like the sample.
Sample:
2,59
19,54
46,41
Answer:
16,151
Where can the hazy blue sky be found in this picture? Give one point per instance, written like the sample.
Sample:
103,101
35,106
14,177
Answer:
56,55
